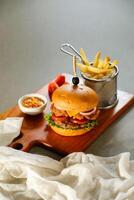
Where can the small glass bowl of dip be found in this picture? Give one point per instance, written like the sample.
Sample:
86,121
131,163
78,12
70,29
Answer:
32,104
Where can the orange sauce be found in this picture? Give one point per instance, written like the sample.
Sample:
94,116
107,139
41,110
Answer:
32,102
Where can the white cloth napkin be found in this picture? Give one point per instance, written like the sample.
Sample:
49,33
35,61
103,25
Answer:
76,177
9,129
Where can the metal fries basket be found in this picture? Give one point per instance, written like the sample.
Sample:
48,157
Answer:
105,88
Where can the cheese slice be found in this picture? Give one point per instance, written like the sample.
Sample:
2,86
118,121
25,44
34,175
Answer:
72,113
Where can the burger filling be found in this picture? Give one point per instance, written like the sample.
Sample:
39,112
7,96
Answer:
72,120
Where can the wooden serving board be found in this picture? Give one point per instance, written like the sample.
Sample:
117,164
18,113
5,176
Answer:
35,130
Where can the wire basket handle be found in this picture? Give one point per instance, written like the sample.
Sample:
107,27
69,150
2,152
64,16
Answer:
62,48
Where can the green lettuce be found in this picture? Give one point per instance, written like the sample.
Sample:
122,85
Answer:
90,124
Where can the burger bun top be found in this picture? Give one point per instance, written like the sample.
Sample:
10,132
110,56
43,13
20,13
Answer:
78,98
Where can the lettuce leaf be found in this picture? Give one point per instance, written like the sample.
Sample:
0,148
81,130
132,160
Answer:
90,124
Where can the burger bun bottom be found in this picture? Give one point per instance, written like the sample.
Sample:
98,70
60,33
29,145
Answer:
70,132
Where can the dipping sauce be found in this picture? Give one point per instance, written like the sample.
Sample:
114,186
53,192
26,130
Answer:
32,102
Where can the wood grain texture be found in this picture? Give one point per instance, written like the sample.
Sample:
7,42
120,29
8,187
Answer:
35,130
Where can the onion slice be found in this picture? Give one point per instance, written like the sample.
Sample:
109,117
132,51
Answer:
89,112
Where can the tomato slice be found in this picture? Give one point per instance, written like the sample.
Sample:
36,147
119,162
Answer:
51,88
60,80
78,121
59,119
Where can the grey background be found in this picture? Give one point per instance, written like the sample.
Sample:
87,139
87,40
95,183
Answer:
31,32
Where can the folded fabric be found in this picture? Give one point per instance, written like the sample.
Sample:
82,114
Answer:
76,177
9,129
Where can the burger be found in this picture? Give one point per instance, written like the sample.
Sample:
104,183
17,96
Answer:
73,110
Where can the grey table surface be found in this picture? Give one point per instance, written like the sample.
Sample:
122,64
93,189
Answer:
31,33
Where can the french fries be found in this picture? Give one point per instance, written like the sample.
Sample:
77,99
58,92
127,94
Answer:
93,69
97,69
84,57
106,62
96,60
100,64
83,68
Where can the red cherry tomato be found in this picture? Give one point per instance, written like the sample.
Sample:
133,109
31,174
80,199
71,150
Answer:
59,119
60,80
51,88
